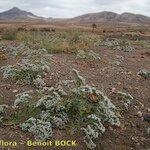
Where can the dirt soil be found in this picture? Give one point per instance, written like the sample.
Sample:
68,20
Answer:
132,135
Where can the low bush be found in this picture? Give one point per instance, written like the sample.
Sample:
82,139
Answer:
144,73
82,107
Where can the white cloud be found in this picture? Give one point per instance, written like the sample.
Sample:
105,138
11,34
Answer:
71,8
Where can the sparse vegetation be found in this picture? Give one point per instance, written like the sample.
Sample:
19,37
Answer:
83,106
50,98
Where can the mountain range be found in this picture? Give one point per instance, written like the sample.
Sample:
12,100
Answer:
16,14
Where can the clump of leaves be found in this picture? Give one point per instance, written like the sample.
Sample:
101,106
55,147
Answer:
144,73
89,55
127,48
148,131
93,131
125,98
22,98
2,112
40,129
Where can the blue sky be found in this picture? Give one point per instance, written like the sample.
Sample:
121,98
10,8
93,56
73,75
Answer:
71,8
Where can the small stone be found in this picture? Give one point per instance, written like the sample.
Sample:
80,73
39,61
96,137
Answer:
142,105
15,91
113,90
132,124
119,83
139,114
138,143
146,117
148,110
143,139
93,84
133,139
110,128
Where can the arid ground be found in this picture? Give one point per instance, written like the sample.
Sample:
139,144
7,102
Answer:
116,70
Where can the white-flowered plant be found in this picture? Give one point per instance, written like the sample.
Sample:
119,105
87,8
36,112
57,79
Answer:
40,129
82,106
32,68
39,82
93,131
126,99
144,73
23,98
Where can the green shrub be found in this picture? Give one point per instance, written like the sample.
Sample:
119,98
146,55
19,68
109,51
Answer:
82,107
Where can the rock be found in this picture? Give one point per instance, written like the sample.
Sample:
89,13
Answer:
148,110
138,143
119,83
113,90
139,114
15,91
129,72
110,128
132,124
146,117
